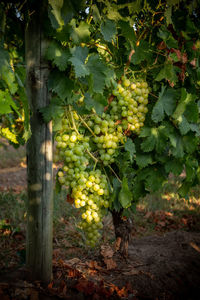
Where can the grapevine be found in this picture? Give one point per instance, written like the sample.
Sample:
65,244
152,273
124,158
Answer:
88,144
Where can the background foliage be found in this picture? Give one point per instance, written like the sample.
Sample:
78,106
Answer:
90,49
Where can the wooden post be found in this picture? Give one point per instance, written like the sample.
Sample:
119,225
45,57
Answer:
39,152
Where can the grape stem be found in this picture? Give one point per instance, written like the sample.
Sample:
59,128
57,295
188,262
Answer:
108,179
92,156
86,125
129,60
73,122
114,173
154,95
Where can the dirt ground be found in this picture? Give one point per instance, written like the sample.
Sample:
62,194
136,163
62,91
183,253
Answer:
165,266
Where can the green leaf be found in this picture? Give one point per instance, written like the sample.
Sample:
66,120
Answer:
115,193
52,111
97,102
168,99
6,103
81,33
129,146
153,179
56,11
58,55
128,32
190,143
143,160
178,150
108,30
125,195
174,166
167,37
79,55
98,71
158,112
6,72
185,99
150,142
141,53
184,189
60,84
191,166
166,103
95,13
192,111
168,72
184,126
168,15
195,128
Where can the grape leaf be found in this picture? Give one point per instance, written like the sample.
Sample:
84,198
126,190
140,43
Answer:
168,15
79,55
128,32
95,13
6,103
125,195
60,84
168,73
141,53
192,111
167,37
98,71
108,30
158,112
185,99
58,55
153,179
56,11
166,104
195,128
114,196
150,142
52,111
190,143
178,150
97,101
81,33
143,160
174,166
184,126
6,72
130,147
191,166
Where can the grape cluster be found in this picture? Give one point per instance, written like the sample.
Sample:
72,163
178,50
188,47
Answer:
130,103
89,189
101,138
107,137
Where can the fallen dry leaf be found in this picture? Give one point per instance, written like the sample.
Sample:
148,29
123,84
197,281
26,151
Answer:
132,271
106,251
117,244
194,246
110,263
72,262
93,265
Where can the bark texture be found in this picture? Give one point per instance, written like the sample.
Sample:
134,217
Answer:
122,232
39,152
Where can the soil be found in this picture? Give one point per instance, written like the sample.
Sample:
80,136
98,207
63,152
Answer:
160,267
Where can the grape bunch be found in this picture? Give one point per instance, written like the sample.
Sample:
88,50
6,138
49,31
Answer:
130,103
107,137
89,189
100,139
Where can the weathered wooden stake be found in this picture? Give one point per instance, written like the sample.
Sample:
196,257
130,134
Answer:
39,152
